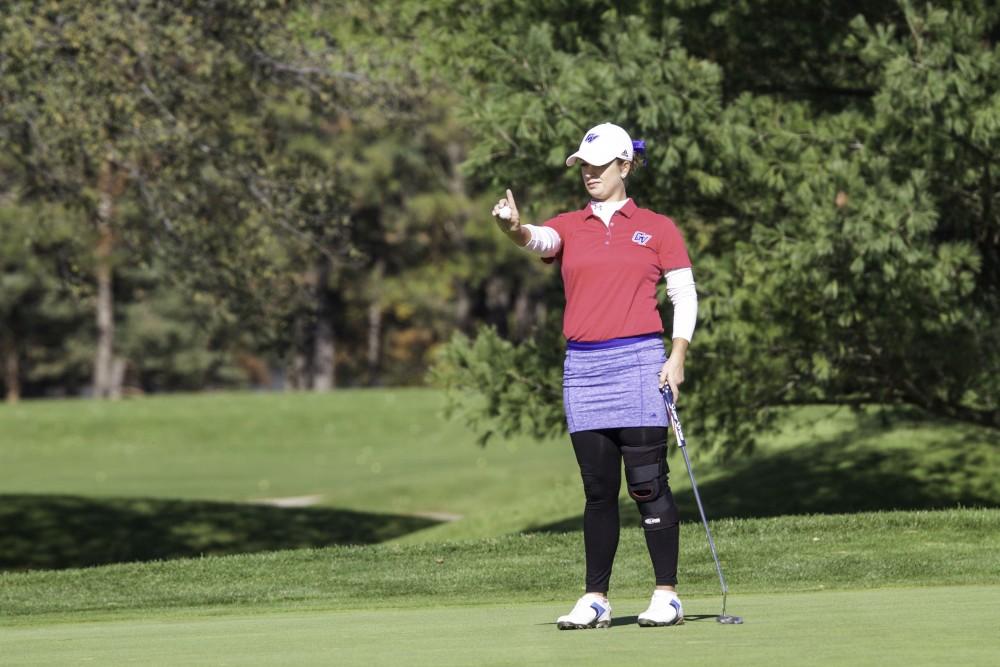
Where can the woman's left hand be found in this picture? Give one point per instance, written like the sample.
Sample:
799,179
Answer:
672,374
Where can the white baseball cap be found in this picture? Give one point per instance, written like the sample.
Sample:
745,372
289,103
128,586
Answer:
602,144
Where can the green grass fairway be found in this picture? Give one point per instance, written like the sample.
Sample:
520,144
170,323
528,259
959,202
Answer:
238,447
941,626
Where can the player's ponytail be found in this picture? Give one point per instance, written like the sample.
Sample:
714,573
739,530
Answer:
638,156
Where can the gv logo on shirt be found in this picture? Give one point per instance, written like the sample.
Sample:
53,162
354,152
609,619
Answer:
642,238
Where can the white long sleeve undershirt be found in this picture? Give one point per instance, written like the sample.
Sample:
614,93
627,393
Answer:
545,242
684,297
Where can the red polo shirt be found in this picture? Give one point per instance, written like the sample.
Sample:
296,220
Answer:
610,273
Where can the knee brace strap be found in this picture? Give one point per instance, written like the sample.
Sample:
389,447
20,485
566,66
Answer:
647,486
644,482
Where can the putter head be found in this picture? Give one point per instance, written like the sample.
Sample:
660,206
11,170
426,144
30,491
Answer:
726,619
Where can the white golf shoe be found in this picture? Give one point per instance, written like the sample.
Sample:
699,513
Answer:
664,609
590,611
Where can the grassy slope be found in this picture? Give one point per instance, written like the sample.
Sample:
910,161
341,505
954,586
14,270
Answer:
390,451
379,450
881,627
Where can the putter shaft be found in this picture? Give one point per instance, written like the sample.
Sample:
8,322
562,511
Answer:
675,421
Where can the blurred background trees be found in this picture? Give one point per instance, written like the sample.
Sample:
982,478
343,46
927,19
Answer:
286,194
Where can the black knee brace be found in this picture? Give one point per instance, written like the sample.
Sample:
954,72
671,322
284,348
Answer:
646,473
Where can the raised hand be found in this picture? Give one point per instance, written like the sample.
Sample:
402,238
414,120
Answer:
507,217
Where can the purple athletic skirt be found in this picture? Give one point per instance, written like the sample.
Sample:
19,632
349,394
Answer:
614,384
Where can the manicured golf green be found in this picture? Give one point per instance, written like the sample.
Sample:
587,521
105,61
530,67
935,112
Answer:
951,626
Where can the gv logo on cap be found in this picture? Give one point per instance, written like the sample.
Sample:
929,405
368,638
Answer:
590,137
641,238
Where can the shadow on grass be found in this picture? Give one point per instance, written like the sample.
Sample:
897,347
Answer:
55,532
844,474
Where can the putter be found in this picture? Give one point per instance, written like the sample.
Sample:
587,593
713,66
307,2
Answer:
675,420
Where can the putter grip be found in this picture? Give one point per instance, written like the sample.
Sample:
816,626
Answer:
668,401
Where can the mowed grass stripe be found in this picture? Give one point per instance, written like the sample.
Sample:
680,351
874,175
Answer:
955,626
759,555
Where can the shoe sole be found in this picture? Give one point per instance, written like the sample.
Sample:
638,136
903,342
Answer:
566,625
647,623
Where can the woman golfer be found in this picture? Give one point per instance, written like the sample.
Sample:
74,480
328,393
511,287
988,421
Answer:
612,255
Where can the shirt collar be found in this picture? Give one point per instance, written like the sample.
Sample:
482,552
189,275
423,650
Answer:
627,210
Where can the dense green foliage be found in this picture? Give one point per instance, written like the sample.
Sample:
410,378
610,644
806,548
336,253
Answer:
844,241
296,194
43,325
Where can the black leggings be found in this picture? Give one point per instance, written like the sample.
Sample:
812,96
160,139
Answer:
599,454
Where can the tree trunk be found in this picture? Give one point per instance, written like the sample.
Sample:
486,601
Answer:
298,368
11,370
324,360
324,373
374,355
298,379
104,355
107,379
118,368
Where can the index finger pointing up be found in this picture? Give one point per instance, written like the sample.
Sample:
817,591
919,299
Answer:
510,199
